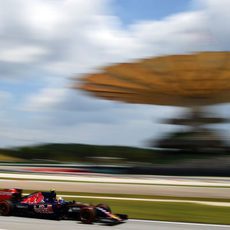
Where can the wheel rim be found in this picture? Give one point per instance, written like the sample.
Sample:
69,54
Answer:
85,215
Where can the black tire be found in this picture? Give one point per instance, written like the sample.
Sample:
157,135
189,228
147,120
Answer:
105,207
6,208
87,215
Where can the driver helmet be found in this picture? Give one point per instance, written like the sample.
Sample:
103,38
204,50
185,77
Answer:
60,200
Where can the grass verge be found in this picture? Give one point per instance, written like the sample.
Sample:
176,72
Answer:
183,212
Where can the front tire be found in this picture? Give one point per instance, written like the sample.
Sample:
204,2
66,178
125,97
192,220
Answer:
87,215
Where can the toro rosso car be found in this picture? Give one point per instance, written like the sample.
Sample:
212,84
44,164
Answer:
46,205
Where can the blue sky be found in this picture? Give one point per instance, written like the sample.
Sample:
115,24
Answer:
40,55
131,11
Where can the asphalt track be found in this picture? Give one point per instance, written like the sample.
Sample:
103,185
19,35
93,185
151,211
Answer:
121,178
20,223
159,190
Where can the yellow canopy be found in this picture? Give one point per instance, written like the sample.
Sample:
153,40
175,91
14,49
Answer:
179,80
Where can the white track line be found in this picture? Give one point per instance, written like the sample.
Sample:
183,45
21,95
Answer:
114,179
180,223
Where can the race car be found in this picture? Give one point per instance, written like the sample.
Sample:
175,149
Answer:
47,205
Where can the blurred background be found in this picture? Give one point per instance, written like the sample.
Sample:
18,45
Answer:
63,104
46,46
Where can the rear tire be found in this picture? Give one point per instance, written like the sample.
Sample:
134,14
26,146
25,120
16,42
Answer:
87,215
6,208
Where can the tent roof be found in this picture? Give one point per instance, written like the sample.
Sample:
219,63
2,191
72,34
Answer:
178,80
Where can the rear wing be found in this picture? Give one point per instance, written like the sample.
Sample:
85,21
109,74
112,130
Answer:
10,194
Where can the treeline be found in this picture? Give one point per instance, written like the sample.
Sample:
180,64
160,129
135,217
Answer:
82,153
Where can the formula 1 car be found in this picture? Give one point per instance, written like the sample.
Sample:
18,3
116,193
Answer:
46,205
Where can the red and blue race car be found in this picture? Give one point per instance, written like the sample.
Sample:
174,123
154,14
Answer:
46,205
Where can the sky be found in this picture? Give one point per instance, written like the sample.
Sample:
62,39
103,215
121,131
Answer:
44,44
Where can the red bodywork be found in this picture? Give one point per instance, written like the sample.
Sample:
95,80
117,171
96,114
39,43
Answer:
34,198
10,194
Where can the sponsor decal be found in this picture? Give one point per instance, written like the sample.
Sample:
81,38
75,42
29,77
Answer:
42,208
73,209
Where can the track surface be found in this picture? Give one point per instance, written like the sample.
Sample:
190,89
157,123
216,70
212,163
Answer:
19,223
160,190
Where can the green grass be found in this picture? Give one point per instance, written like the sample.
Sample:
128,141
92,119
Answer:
184,212
7,158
